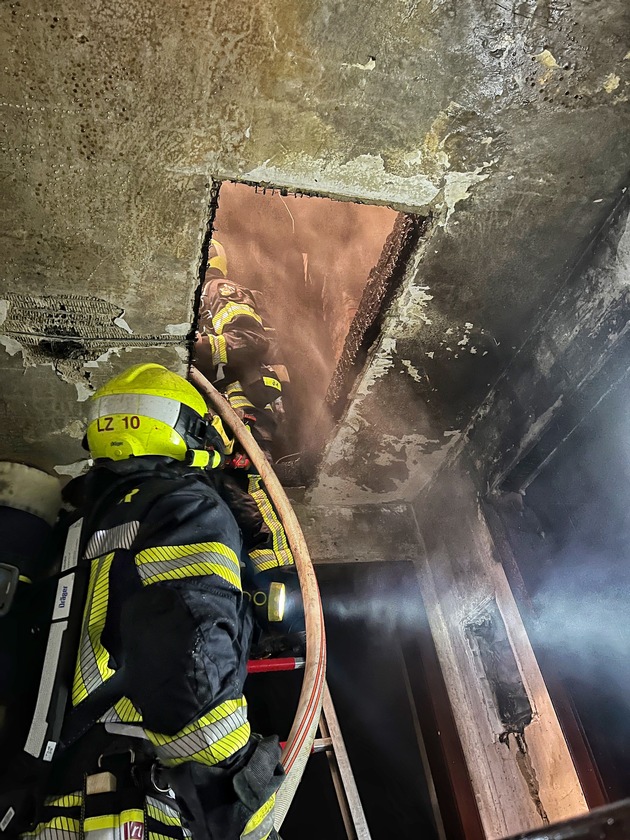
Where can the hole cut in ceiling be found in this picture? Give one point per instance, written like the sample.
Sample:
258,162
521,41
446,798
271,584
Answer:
310,258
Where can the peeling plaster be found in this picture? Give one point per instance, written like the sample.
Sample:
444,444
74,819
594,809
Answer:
75,469
370,64
10,345
382,361
340,179
414,373
457,185
611,83
120,322
84,391
412,307
462,342
74,335
178,329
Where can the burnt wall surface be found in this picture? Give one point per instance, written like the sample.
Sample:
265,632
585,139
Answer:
577,352
505,122
520,767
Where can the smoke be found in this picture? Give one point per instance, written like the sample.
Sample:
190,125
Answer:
378,599
577,572
582,619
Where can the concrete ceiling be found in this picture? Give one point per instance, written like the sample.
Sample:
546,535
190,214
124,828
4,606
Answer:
506,121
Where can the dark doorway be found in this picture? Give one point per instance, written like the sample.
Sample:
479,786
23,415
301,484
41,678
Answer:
377,676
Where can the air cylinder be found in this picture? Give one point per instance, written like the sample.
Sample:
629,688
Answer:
30,500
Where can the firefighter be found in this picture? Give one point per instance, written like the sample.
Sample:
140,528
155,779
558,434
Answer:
156,698
235,349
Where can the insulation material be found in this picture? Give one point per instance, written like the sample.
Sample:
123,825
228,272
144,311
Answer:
63,327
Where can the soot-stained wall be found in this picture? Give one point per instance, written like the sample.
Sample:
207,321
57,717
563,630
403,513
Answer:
551,446
577,351
548,449
520,767
507,125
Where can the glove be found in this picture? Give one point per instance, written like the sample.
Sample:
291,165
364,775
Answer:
216,445
238,461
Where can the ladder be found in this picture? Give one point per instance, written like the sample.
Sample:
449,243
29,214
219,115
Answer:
331,742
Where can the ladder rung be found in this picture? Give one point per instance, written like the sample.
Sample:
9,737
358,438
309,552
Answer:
319,745
264,666
322,745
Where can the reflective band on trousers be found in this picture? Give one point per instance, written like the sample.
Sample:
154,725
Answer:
163,813
231,311
218,345
211,739
163,822
173,562
260,824
92,668
128,825
58,828
281,551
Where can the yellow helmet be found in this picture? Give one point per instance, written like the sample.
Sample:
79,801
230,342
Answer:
217,261
149,410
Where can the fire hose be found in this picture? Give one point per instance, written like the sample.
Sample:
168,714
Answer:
300,741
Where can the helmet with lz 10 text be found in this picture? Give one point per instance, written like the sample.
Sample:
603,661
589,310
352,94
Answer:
149,410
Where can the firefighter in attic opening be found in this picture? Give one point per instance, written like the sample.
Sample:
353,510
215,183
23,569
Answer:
237,351
153,739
